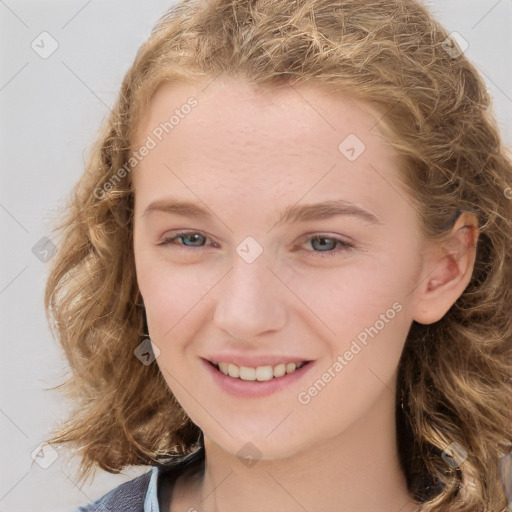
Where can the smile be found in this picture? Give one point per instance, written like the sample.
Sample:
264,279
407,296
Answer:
259,373
243,381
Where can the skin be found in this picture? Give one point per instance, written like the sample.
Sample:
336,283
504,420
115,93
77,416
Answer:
245,155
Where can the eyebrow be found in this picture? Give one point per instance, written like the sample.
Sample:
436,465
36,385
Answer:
292,214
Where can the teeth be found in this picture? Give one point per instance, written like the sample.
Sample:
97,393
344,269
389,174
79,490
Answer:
264,373
233,371
290,367
259,373
279,370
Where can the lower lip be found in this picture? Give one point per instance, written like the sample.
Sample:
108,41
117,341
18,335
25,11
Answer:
254,388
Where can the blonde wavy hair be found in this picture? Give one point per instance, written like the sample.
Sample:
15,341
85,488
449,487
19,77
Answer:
455,379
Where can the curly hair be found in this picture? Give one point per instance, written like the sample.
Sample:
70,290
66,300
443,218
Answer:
454,381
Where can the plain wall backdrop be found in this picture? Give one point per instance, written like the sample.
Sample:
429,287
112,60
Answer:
62,63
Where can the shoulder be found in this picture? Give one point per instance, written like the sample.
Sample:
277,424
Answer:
127,497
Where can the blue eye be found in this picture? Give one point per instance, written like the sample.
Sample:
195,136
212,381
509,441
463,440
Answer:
321,244
328,243
184,235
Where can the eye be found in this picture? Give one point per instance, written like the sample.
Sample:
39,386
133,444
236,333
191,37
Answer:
320,243
326,244
189,239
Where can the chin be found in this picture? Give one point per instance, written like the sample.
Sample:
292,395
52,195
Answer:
261,446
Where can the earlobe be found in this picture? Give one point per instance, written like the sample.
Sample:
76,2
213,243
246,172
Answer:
447,270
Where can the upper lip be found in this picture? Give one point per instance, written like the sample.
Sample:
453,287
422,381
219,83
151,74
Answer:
253,361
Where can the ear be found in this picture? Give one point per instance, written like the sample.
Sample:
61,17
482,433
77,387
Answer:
446,271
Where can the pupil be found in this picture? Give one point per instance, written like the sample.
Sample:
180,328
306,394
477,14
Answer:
185,237
330,242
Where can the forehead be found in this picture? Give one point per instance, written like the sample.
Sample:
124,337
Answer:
262,140
278,114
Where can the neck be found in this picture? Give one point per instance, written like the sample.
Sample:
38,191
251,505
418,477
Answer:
356,471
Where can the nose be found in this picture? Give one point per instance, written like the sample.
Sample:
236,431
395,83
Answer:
250,300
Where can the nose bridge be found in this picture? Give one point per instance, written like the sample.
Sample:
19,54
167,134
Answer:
250,300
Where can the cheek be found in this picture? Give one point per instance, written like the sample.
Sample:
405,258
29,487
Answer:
341,302
171,293
366,311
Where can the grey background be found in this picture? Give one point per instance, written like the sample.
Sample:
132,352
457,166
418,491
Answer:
50,110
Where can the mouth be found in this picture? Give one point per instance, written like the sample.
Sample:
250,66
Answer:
258,373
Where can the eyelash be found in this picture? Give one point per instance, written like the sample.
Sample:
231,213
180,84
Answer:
345,246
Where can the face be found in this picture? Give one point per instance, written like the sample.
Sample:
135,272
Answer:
236,265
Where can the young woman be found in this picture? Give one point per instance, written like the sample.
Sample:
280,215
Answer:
284,279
